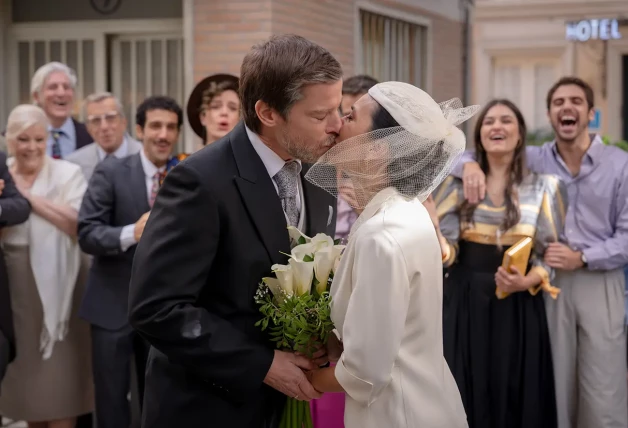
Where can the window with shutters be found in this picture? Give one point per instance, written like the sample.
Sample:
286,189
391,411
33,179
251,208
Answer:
106,56
525,81
393,49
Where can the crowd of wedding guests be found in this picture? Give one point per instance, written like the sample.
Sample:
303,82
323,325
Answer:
541,348
74,201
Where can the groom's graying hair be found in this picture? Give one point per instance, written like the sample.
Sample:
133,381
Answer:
277,70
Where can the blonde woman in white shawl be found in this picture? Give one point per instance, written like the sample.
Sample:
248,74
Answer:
49,383
395,147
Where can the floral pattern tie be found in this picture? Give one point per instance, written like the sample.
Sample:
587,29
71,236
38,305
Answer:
155,189
287,186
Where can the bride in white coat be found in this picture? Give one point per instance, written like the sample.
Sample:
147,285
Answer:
395,147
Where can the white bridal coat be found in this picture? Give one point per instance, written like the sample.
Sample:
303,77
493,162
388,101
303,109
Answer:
387,299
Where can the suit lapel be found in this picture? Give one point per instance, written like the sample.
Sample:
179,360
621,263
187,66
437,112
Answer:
317,205
259,196
138,183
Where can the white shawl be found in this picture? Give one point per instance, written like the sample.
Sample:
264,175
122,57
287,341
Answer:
55,256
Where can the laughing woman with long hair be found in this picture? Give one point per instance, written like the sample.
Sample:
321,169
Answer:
496,338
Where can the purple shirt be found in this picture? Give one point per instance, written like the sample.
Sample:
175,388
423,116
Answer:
597,216
345,217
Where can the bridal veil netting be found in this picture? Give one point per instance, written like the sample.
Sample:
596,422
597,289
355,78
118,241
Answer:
414,157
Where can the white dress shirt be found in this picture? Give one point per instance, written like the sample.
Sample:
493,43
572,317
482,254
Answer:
127,236
273,163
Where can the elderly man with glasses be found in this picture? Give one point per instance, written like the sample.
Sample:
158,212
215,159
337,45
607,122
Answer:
104,117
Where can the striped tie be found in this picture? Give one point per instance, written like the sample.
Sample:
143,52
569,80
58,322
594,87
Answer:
56,147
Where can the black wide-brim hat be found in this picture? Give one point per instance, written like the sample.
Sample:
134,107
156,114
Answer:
196,99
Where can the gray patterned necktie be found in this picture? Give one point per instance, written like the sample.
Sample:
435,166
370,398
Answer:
287,186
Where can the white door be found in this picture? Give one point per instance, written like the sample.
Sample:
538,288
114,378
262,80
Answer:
147,64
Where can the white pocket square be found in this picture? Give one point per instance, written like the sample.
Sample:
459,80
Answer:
331,214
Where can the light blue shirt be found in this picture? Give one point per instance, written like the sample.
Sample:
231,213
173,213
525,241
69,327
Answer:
67,140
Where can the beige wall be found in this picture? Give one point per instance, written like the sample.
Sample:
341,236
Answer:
224,31
509,33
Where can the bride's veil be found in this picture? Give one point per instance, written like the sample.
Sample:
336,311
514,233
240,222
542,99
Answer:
414,158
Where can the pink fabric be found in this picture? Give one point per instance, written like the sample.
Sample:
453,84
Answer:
329,410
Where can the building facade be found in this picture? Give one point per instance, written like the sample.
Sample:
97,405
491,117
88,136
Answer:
137,48
520,47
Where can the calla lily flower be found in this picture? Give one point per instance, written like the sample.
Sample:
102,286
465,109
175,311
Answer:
275,287
302,274
296,234
321,241
284,277
300,251
323,264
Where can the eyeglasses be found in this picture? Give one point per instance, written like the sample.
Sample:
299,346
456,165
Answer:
96,120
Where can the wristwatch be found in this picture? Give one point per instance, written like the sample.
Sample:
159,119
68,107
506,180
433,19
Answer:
584,260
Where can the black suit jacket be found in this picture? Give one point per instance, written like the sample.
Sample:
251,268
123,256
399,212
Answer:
215,230
82,136
14,209
116,197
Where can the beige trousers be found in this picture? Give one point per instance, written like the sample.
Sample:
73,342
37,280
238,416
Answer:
588,339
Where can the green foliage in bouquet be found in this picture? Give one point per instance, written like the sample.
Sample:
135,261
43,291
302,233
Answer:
295,306
298,323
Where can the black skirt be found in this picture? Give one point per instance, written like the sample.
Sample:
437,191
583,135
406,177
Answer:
498,350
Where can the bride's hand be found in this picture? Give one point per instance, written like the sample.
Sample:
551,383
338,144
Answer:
313,376
334,348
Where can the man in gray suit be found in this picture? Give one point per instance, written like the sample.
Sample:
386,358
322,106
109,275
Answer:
111,221
107,125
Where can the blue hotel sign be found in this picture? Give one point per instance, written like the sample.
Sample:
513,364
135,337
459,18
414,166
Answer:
593,29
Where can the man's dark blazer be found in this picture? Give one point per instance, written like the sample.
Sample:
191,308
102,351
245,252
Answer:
82,136
215,230
15,209
116,197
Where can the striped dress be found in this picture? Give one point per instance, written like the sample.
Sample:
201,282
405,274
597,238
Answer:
498,348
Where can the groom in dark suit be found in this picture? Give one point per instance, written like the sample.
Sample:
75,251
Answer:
218,225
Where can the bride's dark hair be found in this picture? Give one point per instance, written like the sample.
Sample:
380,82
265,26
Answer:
381,119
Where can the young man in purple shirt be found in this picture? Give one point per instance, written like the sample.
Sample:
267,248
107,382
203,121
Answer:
586,321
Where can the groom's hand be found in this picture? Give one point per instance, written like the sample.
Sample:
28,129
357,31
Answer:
319,358
286,375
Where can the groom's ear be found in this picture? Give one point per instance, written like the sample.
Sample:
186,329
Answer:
266,114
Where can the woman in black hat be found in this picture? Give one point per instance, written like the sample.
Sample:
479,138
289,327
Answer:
214,107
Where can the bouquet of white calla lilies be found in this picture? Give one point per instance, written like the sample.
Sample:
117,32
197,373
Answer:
309,267
296,305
